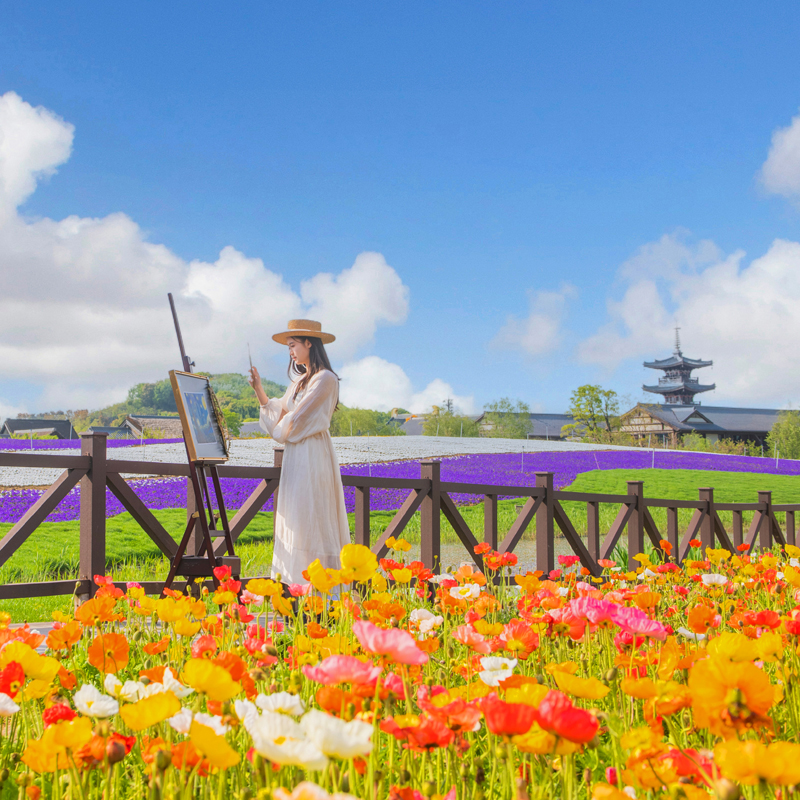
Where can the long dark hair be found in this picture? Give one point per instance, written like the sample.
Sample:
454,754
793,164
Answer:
317,361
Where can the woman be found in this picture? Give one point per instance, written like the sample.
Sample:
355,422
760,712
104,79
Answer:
310,518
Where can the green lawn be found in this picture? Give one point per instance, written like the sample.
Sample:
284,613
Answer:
52,551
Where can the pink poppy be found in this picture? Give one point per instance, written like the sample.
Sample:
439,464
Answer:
299,589
595,611
394,683
343,669
468,636
637,623
397,644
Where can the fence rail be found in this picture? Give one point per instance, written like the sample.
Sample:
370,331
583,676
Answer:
542,512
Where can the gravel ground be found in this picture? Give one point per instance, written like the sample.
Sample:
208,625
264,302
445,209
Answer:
350,450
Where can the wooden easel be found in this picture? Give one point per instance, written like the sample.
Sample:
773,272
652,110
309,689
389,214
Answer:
202,564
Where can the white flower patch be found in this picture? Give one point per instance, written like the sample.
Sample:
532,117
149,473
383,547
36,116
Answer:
496,669
91,702
713,579
281,702
468,591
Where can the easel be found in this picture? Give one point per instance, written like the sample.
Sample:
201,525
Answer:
202,564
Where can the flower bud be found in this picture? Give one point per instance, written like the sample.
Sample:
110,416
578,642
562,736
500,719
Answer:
405,776
428,789
163,760
727,790
115,751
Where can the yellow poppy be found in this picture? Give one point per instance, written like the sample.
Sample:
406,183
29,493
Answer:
208,678
218,752
359,563
587,688
150,711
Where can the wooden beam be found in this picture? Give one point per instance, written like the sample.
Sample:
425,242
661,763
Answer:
38,512
574,539
399,521
520,524
453,516
246,514
615,531
142,514
691,533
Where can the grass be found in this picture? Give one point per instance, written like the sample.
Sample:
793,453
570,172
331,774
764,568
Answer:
52,552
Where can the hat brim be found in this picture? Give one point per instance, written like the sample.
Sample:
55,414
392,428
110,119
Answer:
284,336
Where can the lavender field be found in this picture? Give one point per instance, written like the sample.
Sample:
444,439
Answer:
498,469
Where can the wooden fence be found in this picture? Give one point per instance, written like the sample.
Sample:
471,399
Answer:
542,511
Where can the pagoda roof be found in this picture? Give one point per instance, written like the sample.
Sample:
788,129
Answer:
677,360
681,386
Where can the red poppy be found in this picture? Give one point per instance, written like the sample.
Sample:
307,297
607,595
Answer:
695,543
558,716
482,548
222,573
56,713
764,619
11,679
507,719
519,639
204,647
429,734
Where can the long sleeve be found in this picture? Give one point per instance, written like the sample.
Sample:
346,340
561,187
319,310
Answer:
271,413
313,412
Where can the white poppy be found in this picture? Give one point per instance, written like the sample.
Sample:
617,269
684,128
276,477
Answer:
281,740
467,591
182,721
7,706
687,634
496,669
91,702
210,721
335,737
282,702
443,576
713,579
245,709
130,691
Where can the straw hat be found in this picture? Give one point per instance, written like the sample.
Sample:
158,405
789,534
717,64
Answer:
304,328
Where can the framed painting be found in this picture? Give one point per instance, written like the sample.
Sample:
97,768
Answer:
202,427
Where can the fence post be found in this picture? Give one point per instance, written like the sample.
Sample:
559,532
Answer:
738,532
430,516
362,516
93,513
765,527
672,532
545,543
707,525
593,529
277,461
791,536
636,523
490,520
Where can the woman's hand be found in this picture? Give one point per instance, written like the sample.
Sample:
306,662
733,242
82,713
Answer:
255,381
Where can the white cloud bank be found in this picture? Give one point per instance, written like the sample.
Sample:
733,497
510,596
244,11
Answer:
540,332
780,173
84,311
375,383
743,316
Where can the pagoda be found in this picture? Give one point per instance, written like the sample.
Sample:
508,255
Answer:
678,386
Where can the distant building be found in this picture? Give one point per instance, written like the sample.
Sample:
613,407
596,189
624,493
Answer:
678,386
60,428
113,431
166,427
543,426
663,424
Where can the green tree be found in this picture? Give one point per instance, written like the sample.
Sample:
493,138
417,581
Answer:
363,422
595,412
784,438
233,421
447,423
505,419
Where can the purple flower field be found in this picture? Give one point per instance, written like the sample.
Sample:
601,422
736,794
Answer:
508,470
74,444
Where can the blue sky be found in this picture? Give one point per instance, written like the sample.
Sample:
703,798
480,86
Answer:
505,159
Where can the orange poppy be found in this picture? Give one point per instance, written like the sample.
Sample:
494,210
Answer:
108,652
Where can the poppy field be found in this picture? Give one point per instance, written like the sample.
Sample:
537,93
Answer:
383,680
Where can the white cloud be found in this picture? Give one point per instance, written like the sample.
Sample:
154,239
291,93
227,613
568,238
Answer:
780,173
84,310
373,382
540,332
743,316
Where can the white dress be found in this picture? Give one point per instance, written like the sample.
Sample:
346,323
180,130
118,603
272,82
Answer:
310,518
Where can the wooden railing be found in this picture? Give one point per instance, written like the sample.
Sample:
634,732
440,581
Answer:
542,510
